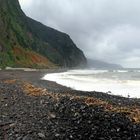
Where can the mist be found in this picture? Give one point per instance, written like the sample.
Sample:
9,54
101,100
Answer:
104,29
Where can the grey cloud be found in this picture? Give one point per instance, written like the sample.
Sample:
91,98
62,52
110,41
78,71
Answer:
104,29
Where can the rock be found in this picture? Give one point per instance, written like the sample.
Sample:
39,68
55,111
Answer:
25,138
57,135
12,125
19,138
134,126
52,115
41,135
118,129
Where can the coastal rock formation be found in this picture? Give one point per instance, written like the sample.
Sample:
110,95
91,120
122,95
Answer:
28,43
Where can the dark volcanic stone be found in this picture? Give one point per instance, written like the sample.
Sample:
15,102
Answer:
32,118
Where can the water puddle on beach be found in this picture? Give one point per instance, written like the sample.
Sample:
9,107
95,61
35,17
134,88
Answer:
116,82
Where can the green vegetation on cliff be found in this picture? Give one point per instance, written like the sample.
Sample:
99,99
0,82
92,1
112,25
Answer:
25,42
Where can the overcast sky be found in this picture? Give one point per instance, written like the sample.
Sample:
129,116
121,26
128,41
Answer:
107,30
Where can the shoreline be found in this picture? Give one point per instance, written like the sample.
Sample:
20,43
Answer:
115,82
32,108
34,77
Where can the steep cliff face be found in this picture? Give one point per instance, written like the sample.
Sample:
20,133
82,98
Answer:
26,42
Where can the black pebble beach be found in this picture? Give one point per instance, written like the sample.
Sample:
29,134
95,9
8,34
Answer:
33,109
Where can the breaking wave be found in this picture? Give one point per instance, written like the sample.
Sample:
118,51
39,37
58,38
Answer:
116,82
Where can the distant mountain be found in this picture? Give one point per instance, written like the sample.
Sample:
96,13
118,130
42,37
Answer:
25,42
102,65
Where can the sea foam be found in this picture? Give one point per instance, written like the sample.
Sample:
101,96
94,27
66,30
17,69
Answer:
116,82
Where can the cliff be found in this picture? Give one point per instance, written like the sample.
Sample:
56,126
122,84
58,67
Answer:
25,42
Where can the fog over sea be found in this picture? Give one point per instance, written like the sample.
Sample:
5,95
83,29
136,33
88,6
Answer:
125,82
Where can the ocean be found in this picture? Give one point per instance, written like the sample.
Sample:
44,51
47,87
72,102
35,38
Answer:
124,82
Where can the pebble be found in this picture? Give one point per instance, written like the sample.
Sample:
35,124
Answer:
52,115
41,135
57,135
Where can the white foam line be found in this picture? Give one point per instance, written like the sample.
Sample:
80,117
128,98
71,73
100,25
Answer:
117,87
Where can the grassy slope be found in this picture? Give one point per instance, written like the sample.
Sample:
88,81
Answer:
15,40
